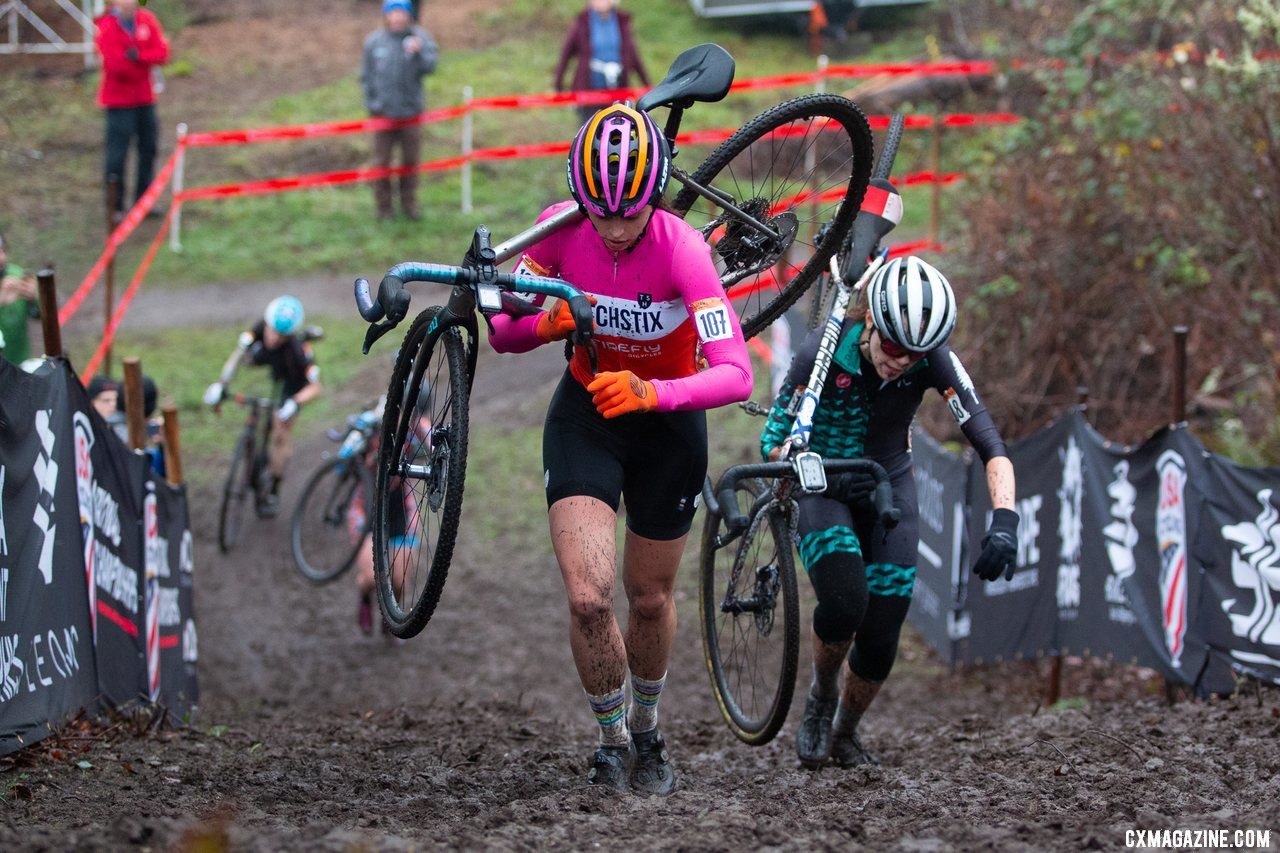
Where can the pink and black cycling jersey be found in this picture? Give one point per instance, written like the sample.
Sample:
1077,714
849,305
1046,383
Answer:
660,311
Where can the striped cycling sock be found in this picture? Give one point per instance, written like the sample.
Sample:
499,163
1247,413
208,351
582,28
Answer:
644,702
611,713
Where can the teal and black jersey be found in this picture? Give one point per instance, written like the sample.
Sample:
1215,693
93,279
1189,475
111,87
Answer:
860,415
863,575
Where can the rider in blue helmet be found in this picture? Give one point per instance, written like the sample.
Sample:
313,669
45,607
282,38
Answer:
281,342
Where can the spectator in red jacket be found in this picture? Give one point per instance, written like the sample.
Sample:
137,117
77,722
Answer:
601,43
133,47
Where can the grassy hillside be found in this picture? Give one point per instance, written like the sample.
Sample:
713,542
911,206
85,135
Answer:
52,138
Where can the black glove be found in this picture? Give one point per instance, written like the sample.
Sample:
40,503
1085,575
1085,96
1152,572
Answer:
131,53
999,547
852,487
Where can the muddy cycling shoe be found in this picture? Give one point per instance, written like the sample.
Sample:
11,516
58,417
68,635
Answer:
269,506
364,615
653,773
611,767
848,751
813,738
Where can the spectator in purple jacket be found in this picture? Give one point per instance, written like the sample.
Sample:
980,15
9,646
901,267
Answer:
601,44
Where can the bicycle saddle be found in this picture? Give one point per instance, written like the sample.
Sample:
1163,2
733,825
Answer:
701,73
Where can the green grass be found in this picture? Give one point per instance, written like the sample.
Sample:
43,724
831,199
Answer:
330,230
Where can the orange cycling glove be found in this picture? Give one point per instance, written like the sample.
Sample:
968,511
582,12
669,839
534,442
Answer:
556,324
620,392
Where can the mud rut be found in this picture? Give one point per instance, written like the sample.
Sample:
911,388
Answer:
474,734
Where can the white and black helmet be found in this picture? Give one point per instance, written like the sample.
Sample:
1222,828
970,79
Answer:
912,304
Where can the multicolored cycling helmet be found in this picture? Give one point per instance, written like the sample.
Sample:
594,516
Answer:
912,304
619,162
284,314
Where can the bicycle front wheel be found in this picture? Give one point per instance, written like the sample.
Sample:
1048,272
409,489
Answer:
235,494
422,462
331,518
751,621
802,169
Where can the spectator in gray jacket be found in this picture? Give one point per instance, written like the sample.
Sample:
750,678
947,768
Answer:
395,59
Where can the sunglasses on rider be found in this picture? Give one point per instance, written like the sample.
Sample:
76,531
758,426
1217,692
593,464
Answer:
894,350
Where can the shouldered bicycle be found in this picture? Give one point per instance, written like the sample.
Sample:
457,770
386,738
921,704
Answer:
775,199
748,597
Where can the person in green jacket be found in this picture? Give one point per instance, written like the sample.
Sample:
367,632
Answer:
17,305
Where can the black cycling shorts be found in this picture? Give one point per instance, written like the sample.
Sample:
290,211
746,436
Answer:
654,462
827,525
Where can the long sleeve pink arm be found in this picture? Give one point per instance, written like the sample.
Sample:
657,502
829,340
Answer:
723,382
728,377
515,334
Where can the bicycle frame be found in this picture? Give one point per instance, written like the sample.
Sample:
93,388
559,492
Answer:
258,419
802,427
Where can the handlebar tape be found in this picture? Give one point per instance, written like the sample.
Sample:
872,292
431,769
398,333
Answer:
732,514
368,307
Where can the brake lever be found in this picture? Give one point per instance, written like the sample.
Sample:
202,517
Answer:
375,331
583,318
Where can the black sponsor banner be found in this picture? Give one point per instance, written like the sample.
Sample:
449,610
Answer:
1240,549
170,598
1018,618
1140,584
941,489
108,482
47,670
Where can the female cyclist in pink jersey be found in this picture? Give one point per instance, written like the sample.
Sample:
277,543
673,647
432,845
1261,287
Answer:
667,347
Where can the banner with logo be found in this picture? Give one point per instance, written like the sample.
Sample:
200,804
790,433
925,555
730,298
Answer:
109,481
172,682
47,671
1143,585
941,576
1161,555
1241,557
1019,617
95,583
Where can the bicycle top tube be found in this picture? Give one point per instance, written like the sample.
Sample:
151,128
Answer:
508,249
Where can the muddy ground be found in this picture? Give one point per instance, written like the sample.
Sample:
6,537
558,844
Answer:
475,734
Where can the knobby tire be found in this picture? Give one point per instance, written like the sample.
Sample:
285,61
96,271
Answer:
235,492
803,166
319,532
752,666
439,354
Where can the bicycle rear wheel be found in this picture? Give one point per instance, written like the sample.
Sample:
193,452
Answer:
751,622
422,463
802,168
321,531
235,494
